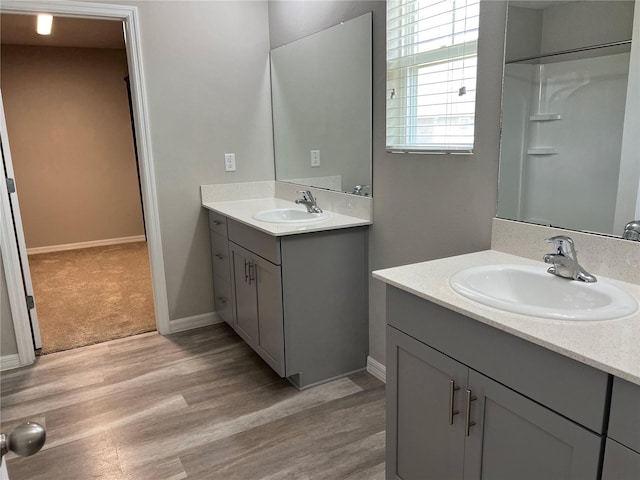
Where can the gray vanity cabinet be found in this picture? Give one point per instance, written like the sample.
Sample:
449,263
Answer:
425,434
502,435
300,301
622,451
516,438
259,305
466,401
221,266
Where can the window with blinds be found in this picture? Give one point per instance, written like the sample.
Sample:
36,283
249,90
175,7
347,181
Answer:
431,75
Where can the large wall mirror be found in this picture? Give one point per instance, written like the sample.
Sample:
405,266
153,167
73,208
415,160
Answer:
570,148
322,93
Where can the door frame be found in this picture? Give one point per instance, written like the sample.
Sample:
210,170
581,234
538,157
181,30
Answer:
129,16
17,222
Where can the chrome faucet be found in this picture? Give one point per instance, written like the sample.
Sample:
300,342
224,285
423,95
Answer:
565,260
632,231
308,201
359,190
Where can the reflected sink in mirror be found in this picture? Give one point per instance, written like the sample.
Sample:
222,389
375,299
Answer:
290,215
530,290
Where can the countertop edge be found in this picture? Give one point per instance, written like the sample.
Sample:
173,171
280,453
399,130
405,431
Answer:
522,326
239,210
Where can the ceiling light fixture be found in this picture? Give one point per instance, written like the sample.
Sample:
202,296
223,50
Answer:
44,24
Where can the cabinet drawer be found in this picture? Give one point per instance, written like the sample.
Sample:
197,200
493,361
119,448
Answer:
222,301
220,256
624,422
564,385
260,243
217,223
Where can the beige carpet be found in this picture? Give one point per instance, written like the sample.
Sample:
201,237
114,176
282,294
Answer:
92,295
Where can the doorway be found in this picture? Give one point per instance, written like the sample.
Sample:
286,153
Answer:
11,252
68,114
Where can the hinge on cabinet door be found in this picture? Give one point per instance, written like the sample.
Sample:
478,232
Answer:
11,185
30,302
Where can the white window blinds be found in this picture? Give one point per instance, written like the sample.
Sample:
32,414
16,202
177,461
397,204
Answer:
431,75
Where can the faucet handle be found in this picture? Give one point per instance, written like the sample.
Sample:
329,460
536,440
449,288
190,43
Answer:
563,245
306,195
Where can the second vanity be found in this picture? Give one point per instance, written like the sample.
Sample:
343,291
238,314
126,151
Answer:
477,392
295,292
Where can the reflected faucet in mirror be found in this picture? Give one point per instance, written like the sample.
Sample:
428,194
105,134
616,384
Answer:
565,260
359,190
632,231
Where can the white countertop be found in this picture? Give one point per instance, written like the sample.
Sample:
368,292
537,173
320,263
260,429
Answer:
612,346
242,211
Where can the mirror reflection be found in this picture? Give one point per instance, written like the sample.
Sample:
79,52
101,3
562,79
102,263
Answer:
321,93
568,155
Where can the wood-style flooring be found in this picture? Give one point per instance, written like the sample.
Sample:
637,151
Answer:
192,405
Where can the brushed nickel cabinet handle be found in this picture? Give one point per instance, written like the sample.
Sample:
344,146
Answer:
219,256
223,300
246,271
252,272
468,423
452,389
216,222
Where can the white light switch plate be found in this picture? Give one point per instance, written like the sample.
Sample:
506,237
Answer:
315,158
229,162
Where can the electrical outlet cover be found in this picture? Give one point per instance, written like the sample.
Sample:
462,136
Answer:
315,158
229,162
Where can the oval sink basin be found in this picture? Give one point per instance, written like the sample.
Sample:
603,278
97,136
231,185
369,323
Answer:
532,291
290,215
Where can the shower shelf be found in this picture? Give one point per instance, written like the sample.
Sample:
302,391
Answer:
542,151
545,117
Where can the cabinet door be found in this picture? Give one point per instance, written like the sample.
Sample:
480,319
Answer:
624,422
267,278
246,296
514,437
424,425
620,462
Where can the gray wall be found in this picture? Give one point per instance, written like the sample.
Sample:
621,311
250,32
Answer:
425,206
207,79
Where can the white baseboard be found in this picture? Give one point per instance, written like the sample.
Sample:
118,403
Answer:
197,321
8,362
93,243
377,369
